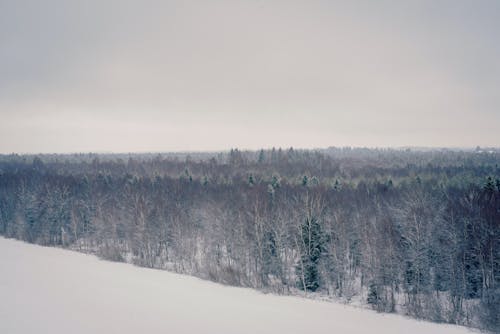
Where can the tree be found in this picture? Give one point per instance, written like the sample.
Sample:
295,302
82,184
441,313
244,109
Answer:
311,248
262,157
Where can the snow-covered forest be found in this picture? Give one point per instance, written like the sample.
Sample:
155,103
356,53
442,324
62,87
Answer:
415,232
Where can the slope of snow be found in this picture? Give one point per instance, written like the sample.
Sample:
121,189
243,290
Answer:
50,290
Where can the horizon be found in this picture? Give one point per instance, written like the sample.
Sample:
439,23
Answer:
482,149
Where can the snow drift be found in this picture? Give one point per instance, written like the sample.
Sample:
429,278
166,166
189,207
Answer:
50,290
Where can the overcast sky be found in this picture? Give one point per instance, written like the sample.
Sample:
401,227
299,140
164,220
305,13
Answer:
128,76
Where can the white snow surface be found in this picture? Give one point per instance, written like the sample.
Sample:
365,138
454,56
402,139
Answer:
51,290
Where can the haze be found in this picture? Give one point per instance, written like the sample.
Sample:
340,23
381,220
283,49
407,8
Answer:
177,75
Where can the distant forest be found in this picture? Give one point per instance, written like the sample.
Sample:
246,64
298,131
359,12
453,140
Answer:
403,230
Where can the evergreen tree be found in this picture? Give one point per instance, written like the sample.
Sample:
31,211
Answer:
262,156
305,181
312,239
251,180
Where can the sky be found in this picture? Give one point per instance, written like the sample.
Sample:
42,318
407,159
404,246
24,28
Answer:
181,75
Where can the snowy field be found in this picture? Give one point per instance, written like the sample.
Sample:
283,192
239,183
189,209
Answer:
50,290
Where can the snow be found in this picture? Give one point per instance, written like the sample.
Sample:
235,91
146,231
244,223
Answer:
50,290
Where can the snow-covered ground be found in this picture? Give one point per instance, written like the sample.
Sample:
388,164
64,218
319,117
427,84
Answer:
50,290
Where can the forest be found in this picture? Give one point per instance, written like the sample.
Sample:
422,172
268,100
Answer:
410,231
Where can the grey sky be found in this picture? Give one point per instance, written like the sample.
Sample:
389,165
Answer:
204,75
